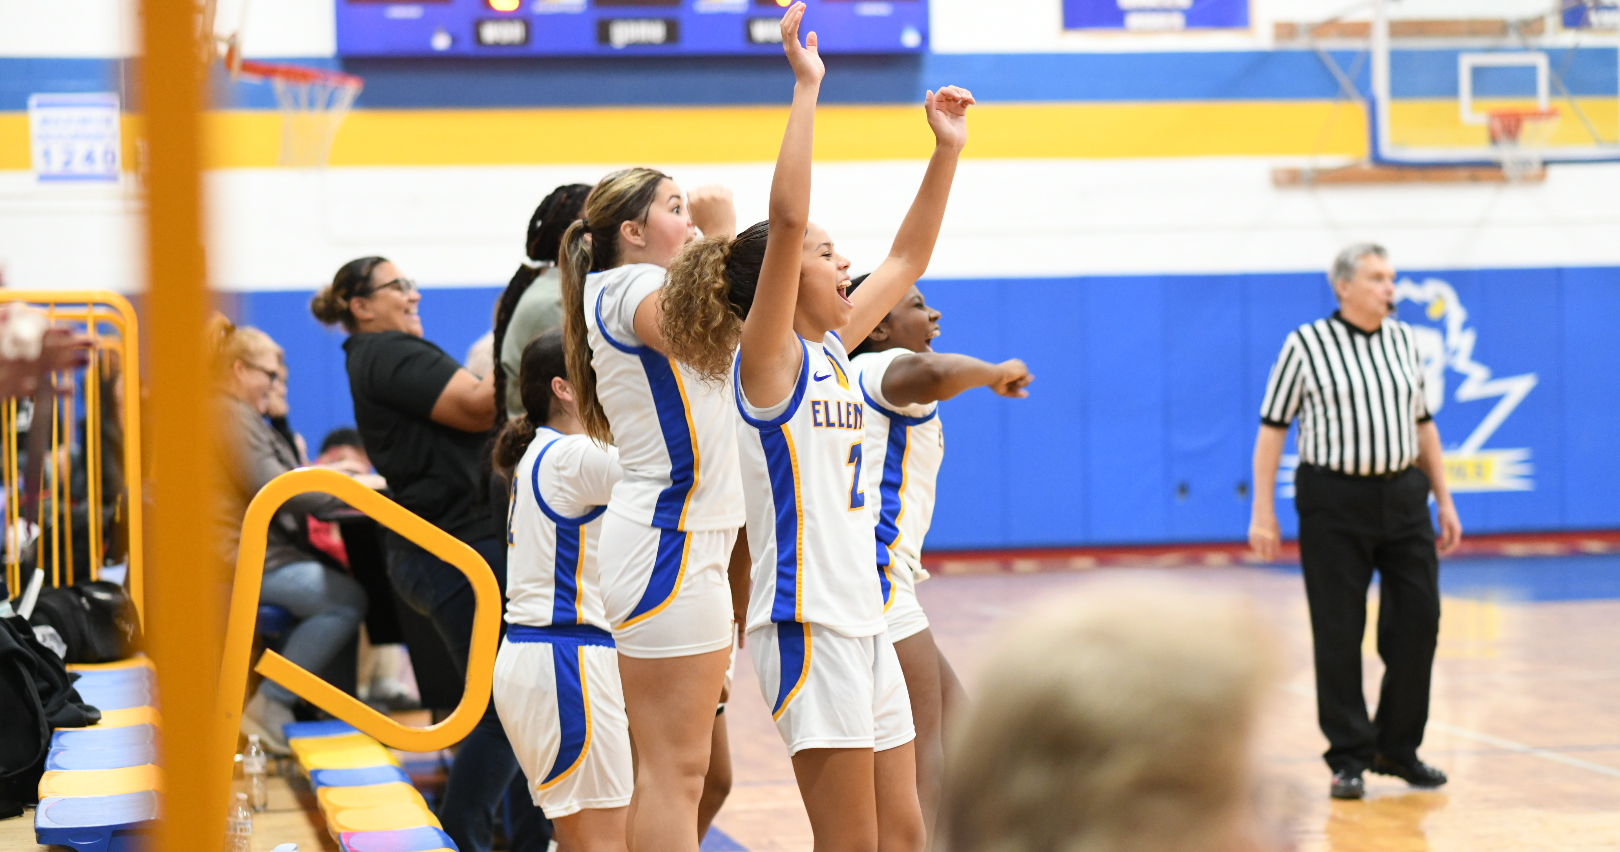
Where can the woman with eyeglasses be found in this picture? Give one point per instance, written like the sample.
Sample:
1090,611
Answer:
425,421
328,604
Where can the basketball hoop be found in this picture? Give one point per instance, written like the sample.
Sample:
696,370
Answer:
313,104
1519,138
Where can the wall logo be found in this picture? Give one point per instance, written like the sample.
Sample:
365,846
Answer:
1446,341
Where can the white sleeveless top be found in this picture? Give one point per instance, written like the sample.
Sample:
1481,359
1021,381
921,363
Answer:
809,520
904,448
559,491
676,434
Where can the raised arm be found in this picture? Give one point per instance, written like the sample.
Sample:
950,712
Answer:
926,377
770,350
914,243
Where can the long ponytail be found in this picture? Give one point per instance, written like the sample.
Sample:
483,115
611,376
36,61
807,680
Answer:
574,256
591,244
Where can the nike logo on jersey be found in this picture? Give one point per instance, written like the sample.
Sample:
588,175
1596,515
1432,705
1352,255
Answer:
821,378
837,414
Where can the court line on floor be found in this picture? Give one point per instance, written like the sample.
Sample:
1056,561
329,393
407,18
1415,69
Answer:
1522,748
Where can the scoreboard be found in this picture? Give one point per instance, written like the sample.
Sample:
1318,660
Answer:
463,28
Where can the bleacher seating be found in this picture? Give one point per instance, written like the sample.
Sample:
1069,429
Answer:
99,790
366,797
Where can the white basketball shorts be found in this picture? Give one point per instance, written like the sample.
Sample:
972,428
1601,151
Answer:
665,591
903,613
558,694
827,690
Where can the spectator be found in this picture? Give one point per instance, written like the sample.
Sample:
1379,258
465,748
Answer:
1119,720
328,603
424,420
277,412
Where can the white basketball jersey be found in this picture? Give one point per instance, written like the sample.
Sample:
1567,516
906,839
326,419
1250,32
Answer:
559,490
904,448
809,522
676,434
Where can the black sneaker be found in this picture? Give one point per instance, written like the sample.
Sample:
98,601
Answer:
1347,784
1416,772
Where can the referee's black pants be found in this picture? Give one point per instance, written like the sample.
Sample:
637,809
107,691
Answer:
1350,527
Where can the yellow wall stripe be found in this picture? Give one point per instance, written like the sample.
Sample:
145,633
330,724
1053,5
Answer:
251,139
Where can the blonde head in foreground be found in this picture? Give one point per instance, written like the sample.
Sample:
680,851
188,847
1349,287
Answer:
1117,720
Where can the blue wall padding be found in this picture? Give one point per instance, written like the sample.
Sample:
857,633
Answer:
1141,422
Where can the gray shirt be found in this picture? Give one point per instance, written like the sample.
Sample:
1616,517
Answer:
538,311
261,455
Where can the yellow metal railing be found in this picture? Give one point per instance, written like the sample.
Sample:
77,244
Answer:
108,320
245,605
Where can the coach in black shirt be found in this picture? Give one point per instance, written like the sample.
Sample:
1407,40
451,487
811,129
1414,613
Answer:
1369,456
425,421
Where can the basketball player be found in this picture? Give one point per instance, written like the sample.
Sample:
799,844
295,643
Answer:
815,617
902,379
557,677
672,521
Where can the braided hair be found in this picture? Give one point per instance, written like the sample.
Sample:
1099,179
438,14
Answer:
555,213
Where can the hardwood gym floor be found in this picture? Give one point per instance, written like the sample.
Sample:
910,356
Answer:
1525,716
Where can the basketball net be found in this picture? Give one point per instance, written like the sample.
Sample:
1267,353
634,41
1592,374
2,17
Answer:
313,103
1519,139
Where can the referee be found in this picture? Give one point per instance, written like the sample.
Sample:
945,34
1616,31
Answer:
1369,456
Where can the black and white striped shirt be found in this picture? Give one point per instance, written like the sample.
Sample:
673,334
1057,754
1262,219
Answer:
1358,395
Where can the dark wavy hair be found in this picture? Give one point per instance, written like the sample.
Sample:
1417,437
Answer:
543,360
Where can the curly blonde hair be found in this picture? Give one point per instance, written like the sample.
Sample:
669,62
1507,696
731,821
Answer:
710,289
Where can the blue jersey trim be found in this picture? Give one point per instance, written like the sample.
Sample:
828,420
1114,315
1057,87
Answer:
556,516
568,560
622,347
895,415
793,404
560,634
669,401
779,462
670,404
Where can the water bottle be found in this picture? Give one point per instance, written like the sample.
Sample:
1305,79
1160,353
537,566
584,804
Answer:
253,769
239,827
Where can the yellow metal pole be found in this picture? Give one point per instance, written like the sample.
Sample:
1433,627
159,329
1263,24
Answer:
186,587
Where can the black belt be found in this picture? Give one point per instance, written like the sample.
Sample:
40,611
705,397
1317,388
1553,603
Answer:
1316,468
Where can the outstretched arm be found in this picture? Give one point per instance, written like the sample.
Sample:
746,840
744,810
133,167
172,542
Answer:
770,351
926,377
914,243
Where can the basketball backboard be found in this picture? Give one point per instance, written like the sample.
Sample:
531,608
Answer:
1441,67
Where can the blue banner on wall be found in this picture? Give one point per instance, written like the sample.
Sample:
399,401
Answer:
1140,425
1155,15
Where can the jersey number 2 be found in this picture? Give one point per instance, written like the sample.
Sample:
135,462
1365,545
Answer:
857,495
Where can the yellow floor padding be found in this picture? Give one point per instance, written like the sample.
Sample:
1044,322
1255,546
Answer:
99,782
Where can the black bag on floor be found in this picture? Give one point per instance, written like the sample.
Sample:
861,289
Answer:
95,619
36,697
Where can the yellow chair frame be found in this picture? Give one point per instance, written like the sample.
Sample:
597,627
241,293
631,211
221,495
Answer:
245,604
92,308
